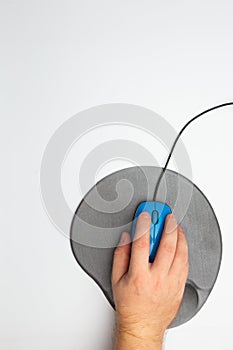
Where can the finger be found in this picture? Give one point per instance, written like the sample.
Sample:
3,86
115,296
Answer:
140,250
179,267
167,247
121,258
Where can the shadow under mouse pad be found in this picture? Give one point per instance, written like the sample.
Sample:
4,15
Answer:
108,209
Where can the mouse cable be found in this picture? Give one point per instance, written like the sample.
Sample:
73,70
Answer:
177,138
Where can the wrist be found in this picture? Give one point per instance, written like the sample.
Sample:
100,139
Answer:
127,340
140,330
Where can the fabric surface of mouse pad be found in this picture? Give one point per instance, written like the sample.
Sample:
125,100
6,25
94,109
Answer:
108,209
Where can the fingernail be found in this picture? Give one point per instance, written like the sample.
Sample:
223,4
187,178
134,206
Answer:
124,238
171,223
145,215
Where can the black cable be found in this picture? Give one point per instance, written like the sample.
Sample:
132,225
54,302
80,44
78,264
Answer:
177,138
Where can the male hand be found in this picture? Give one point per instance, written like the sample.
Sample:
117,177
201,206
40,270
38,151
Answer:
147,295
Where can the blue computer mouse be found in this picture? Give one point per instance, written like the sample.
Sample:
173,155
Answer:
158,212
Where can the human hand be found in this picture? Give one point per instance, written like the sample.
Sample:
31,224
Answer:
147,295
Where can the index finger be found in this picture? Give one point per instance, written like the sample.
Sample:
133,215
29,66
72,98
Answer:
141,244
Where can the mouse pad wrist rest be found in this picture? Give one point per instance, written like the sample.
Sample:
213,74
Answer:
108,209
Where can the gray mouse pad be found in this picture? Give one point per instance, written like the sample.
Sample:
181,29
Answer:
108,209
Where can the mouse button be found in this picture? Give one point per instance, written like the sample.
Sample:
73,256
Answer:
155,217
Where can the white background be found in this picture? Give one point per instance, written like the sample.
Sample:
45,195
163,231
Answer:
58,58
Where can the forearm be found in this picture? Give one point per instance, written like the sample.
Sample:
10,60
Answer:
126,341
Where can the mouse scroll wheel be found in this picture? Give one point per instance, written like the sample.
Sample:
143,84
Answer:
155,217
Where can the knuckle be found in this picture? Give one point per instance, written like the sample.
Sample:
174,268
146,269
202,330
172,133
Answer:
182,255
118,251
139,282
183,258
168,247
158,283
141,243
